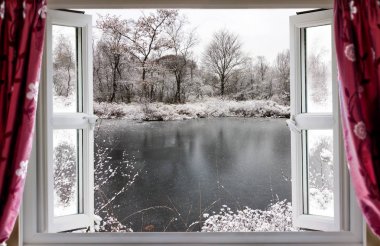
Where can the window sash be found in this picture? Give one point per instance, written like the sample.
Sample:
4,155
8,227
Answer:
313,121
53,121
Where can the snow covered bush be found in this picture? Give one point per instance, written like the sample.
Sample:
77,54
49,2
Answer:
277,217
132,111
212,107
112,178
110,223
64,172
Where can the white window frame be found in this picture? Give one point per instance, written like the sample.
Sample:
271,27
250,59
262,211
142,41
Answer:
31,223
304,121
48,121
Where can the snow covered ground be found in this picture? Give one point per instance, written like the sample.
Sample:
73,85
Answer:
211,107
277,217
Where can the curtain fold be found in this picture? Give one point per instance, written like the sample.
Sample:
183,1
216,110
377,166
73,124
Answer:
357,38
22,28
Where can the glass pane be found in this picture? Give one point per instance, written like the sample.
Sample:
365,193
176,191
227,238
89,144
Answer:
66,157
318,69
320,172
65,70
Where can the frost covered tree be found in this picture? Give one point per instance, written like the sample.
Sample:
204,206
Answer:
149,59
145,37
64,67
111,63
262,78
248,88
223,56
64,172
282,76
180,63
317,71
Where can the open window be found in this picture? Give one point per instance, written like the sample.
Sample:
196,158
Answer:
68,123
319,188
317,163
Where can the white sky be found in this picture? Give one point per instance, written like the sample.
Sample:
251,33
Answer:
263,32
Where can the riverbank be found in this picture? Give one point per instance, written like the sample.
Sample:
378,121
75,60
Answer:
210,108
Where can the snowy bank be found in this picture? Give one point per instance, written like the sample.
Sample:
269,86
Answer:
204,109
277,217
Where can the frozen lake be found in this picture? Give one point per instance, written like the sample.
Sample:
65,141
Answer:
192,167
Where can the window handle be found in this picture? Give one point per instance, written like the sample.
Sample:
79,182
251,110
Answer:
91,120
292,124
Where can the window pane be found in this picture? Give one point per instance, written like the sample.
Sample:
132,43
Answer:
320,172
66,157
318,69
65,70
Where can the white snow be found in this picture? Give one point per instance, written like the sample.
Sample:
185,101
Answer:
211,107
62,104
277,217
321,202
64,209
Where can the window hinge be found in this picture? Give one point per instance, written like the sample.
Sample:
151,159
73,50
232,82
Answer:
292,124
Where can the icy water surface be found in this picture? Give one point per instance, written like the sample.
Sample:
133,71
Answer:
196,166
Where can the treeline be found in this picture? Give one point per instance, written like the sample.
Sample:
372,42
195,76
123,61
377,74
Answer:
151,60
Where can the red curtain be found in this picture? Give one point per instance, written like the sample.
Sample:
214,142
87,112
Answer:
22,25
357,38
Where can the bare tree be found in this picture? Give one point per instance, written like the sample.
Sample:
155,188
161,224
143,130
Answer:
150,57
112,49
223,56
180,63
282,71
262,78
318,75
64,67
261,69
145,36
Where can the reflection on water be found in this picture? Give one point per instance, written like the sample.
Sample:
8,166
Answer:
192,166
